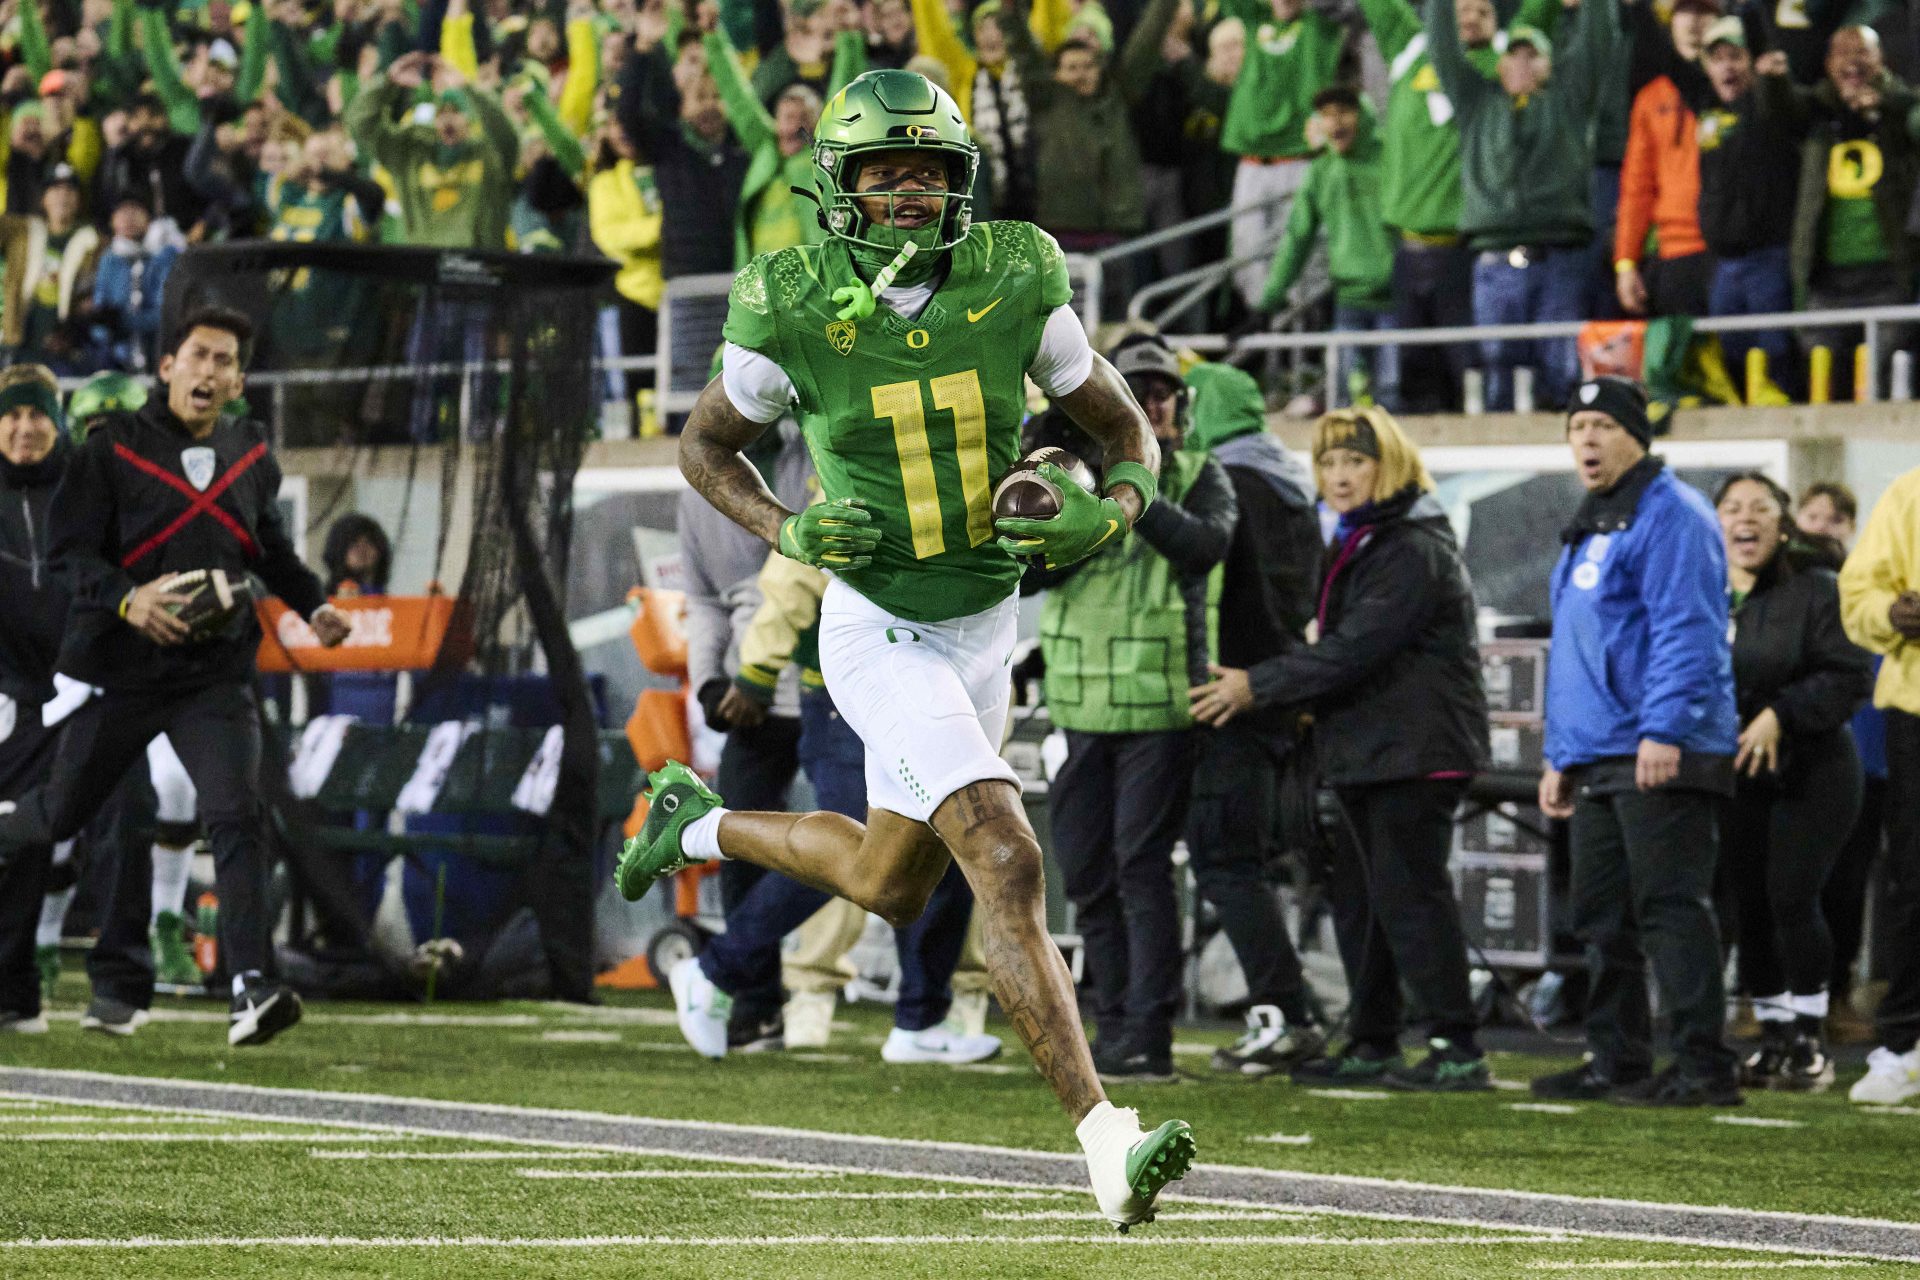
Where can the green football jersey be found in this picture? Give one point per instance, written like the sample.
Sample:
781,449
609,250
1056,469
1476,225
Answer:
916,418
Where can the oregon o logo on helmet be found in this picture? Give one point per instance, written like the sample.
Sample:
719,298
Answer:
922,131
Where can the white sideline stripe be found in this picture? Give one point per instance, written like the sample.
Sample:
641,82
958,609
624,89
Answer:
81,1117
1545,1108
609,1174
564,1036
1352,1095
459,1155
1283,1139
745,1242
988,1068
14,1104
910,1195
1760,1122
637,1017
1572,1203
1677,1265
1090,1215
1889,1111
202,1137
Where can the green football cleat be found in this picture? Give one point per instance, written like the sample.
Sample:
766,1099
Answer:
675,797
1161,1157
173,966
47,960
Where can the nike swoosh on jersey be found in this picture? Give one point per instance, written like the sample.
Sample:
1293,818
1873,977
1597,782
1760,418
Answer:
975,317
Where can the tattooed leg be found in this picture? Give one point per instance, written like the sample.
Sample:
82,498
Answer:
988,832
890,866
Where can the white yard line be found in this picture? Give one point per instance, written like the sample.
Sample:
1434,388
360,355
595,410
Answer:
909,1195
1352,1095
1676,1264
754,1242
202,1137
78,1117
1283,1139
604,1175
1545,1108
459,1155
1760,1122
1090,1215
564,1035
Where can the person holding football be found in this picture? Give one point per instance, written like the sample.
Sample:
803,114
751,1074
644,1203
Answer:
902,342
162,516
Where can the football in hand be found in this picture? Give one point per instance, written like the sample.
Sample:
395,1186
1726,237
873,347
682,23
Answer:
1024,494
214,598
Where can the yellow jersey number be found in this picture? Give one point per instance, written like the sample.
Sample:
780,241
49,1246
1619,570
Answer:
958,394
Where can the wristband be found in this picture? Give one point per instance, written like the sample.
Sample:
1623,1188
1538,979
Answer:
126,602
1144,482
1623,265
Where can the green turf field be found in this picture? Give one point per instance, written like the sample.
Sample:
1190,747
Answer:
246,1195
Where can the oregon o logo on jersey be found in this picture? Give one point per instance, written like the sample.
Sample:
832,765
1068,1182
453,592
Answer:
1854,168
918,338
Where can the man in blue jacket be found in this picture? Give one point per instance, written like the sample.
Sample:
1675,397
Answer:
1641,731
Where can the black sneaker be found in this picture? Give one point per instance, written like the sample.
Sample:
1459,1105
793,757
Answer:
262,1011
1761,1068
1121,1063
1675,1088
1447,1069
769,1036
1270,1044
1805,1066
1355,1064
1584,1083
112,1017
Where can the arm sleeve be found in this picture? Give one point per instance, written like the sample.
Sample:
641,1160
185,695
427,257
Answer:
1781,98
1296,242
82,525
34,49
1389,602
752,124
583,77
298,87
368,120
1194,533
183,111
562,141
1639,182
1461,83
456,44
647,100
790,595
1024,52
497,126
280,566
755,385
849,60
1393,23
1065,358
1141,57
1682,582
1594,46
737,20
1879,569
1839,676
253,59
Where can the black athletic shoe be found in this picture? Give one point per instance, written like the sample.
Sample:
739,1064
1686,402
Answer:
1761,1068
262,1011
112,1017
1355,1064
757,1037
1447,1069
1805,1067
1124,1064
1583,1083
1675,1088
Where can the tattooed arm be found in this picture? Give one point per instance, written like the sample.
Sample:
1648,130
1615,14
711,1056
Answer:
1107,411
710,459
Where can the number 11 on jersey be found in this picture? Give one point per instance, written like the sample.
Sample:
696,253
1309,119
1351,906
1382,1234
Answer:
958,394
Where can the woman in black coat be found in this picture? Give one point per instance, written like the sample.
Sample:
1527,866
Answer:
1400,719
1798,681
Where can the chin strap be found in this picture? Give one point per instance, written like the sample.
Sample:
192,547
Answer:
858,297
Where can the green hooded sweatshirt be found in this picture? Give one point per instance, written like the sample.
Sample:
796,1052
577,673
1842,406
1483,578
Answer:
457,197
1285,67
1420,177
1526,163
1342,194
1115,634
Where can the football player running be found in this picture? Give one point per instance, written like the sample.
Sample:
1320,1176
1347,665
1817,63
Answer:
902,343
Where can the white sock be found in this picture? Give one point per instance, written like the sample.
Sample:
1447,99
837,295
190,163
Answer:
53,913
1813,1006
171,867
1107,1125
1773,1008
62,854
701,838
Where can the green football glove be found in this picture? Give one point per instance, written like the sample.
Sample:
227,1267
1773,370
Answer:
831,535
1085,524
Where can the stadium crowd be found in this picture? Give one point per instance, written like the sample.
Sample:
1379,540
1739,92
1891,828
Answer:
1466,161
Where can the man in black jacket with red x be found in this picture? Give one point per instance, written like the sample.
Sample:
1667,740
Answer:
176,486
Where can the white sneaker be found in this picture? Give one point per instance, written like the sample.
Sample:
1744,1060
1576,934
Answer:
969,1012
1891,1077
703,1008
1128,1168
22,1026
809,1019
945,1043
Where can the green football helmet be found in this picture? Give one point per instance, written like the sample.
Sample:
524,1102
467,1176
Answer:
892,111
102,393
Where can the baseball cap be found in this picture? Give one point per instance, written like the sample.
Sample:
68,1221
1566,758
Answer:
1728,30
221,54
1147,356
1533,37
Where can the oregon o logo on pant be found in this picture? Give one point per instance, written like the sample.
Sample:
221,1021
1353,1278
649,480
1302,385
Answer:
896,635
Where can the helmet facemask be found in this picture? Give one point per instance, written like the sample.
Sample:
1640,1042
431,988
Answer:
841,212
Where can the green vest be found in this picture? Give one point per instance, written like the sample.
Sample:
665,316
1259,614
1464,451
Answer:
1115,633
